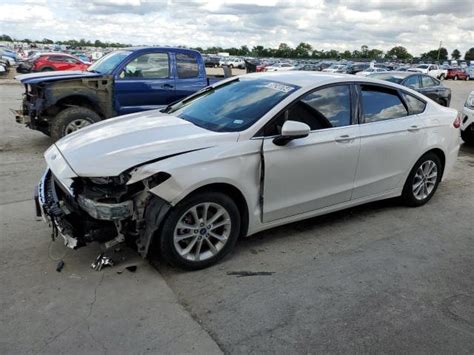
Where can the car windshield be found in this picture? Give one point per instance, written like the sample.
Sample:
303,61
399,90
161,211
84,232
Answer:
233,106
107,63
387,77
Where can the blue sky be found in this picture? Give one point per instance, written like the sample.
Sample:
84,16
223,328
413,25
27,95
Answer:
325,24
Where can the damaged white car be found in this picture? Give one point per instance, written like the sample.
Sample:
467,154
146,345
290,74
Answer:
247,154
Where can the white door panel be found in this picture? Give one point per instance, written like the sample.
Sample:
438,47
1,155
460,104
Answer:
310,173
387,151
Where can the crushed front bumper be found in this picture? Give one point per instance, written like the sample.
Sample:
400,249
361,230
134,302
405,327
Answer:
49,208
58,207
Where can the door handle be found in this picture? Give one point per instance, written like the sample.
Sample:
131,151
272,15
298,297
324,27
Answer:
167,86
413,128
344,138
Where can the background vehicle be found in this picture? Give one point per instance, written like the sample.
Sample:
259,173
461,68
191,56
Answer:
184,183
467,124
57,61
356,67
211,61
369,71
457,73
336,68
280,67
121,82
431,69
235,63
422,83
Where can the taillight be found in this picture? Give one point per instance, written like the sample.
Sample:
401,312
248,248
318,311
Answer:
457,121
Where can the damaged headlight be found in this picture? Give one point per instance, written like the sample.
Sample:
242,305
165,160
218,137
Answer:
118,180
106,211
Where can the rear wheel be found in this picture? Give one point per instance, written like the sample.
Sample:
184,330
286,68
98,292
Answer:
200,230
423,180
70,120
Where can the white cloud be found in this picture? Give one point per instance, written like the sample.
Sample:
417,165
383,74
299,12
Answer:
325,24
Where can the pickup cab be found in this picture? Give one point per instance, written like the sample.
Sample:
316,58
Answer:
433,70
124,81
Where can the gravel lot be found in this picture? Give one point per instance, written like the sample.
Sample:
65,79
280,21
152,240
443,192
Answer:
375,278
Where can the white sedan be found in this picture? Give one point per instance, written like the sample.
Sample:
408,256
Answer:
250,153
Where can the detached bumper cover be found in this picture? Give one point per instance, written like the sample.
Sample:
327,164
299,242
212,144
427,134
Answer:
49,208
58,207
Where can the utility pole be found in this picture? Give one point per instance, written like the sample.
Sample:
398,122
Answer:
439,49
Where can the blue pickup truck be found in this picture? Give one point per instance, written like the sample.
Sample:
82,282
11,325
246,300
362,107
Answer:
121,82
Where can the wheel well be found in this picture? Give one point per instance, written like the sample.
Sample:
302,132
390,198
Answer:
440,154
238,198
76,100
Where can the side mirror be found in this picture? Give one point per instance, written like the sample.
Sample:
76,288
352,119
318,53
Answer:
291,130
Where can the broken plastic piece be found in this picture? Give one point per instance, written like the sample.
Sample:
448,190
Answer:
102,261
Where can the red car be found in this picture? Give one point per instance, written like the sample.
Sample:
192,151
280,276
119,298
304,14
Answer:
58,61
457,73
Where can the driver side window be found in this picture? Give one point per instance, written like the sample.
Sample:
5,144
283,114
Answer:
147,66
320,109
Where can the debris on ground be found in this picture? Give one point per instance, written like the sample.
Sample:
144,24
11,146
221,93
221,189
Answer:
250,273
102,261
60,265
131,268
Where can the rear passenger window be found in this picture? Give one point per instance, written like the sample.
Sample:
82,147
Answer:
379,104
187,66
415,105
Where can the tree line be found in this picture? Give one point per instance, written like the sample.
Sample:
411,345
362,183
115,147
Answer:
301,51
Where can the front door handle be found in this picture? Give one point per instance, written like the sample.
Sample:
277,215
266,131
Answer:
167,86
413,128
344,138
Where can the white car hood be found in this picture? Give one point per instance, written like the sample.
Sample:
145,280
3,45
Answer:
110,147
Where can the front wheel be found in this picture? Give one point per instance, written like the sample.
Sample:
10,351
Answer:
200,230
70,120
441,77
423,180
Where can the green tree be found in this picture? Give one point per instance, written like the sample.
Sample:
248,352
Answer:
399,52
456,54
469,54
303,50
6,38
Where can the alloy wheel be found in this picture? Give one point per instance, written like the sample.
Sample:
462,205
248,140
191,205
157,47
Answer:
425,180
76,125
202,231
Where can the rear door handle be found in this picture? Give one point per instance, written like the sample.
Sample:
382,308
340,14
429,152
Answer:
167,86
413,128
344,138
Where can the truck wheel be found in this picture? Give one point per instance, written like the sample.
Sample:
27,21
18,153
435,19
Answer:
70,120
47,69
441,77
200,230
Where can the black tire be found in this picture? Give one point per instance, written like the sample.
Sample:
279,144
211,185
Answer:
46,69
59,123
455,77
408,196
441,77
468,136
167,246
468,78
